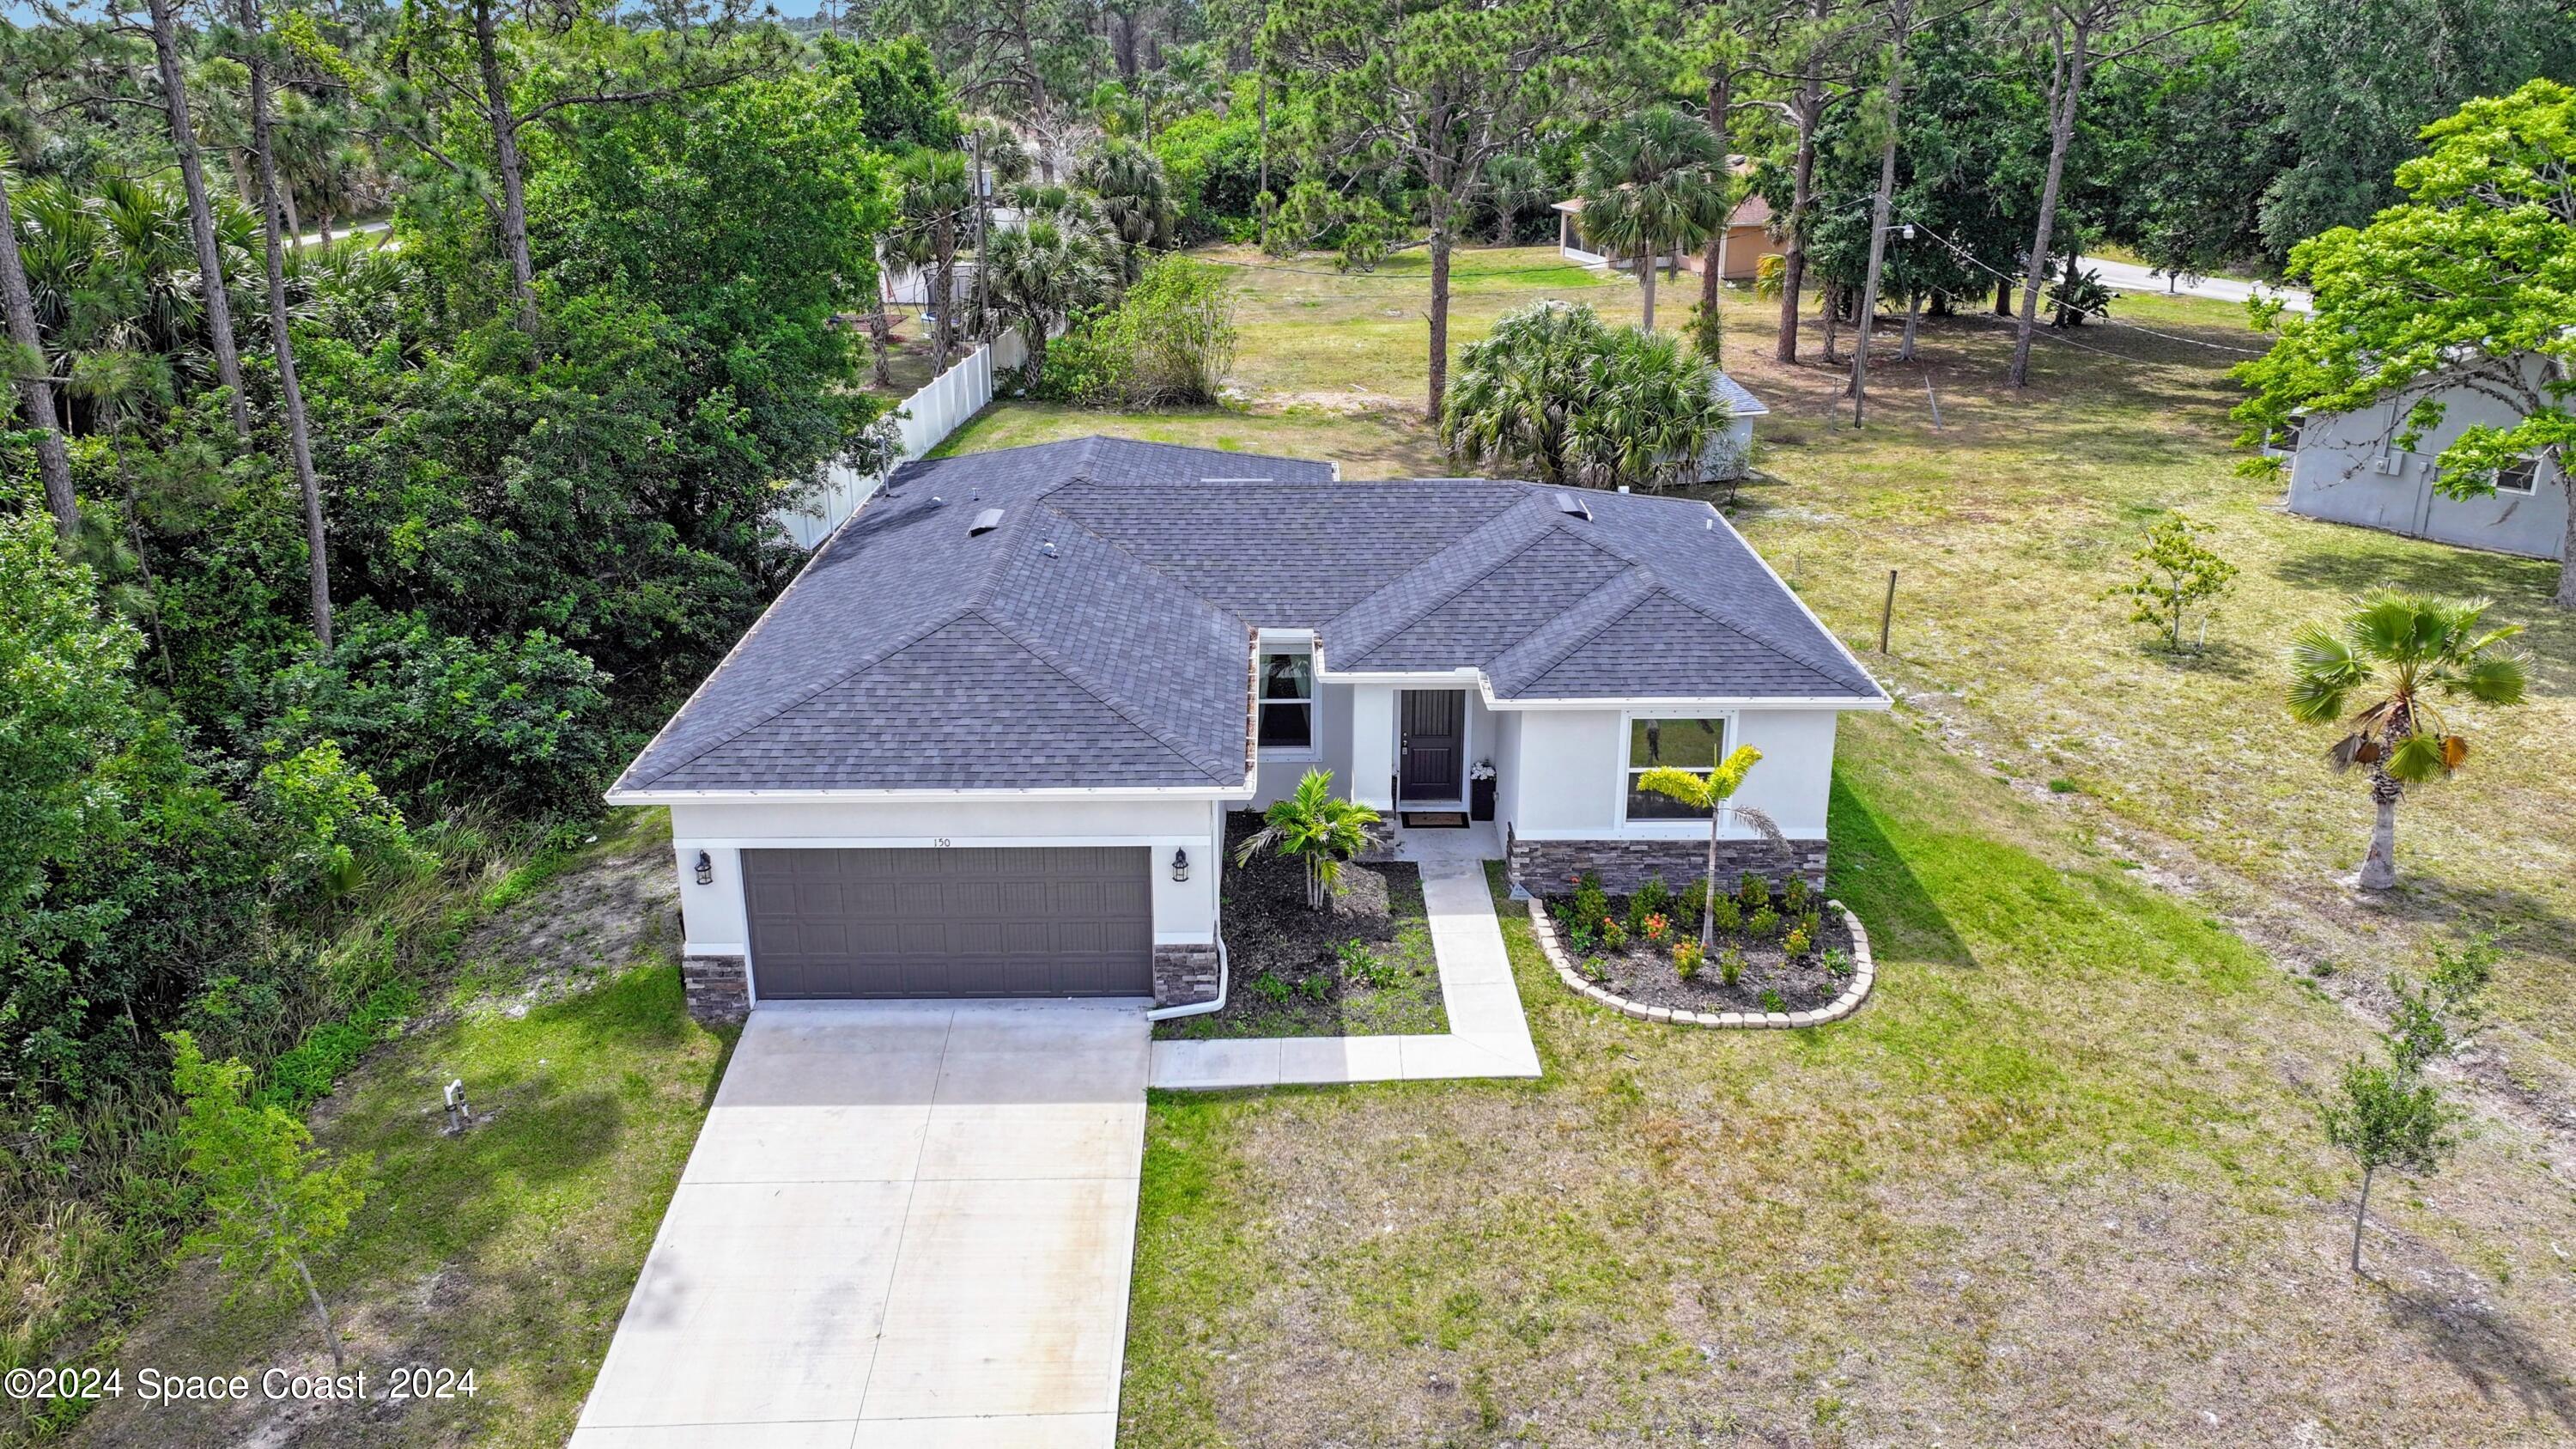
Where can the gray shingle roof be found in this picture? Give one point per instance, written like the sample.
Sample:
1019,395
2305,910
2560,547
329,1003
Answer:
1101,634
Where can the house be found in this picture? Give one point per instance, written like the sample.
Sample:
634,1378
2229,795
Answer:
984,745
1748,241
2348,468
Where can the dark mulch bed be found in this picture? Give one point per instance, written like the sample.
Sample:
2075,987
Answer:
1299,972
1643,972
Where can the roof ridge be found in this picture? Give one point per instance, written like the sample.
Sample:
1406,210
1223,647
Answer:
835,682
1647,591
1548,529
1114,703
1547,526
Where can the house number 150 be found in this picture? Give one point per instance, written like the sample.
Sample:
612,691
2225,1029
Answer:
940,840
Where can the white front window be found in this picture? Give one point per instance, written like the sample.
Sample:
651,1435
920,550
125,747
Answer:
1683,744
1287,701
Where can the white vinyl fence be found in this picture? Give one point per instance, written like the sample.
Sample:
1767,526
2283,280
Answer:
930,415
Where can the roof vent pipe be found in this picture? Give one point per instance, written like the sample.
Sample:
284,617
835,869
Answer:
985,522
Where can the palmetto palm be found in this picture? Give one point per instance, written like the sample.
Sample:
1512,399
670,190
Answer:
1650,412
1317,827
2396,651
1713,792
1041,273
1517,391
1655,181
1134,204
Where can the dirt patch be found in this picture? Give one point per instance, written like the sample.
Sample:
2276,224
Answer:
612,909
1364,966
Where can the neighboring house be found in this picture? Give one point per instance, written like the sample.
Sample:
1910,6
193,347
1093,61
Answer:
1748,241
986,742
2347,468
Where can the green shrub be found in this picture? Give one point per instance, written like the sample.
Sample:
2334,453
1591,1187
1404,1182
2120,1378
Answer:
518,725
1653,898
1269,987
1687,959
1797,941
1838,962
1727,915
1795,896
1773,1001
1613,935
1752,892
1591,903
1813,923
1762,922
1692,904
1580,939
1169,342
1730,965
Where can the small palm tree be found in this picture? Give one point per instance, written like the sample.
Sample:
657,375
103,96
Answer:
1318,827
2399,649
934,199
1654,182
1712,792
1135,204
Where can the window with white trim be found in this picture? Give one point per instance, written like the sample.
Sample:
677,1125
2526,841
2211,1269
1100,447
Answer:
2519,477
1683,744
1287,700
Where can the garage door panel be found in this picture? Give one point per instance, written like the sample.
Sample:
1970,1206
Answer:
972,921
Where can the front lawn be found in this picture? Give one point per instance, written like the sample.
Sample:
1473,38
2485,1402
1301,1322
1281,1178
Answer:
2060,1181
1361,967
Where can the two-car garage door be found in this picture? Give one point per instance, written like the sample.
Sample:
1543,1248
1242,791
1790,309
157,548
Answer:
965,921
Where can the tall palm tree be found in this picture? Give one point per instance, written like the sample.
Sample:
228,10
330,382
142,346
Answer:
1654,182
2397,650
1044,271
1316,827
934,200
1713,792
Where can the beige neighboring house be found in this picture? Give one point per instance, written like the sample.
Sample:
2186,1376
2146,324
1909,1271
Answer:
1748,241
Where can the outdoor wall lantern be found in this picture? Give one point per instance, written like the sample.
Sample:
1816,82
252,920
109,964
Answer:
1180,865
706,868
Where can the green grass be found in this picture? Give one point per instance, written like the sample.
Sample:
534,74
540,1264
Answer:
2058,1180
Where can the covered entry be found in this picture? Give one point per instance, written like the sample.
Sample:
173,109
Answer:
961,921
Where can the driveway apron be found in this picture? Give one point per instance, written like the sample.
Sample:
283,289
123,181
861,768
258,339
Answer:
904,1224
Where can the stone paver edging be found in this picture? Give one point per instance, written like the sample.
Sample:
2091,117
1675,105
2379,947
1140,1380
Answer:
1863,974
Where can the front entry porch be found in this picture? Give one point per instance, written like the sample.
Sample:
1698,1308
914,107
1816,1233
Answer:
1431,749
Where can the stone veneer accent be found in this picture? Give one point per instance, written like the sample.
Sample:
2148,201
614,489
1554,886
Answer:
718,988
1184,975
1545,867
1864,975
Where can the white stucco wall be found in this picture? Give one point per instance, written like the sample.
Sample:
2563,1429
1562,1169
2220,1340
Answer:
1563,772
712,915
2348,469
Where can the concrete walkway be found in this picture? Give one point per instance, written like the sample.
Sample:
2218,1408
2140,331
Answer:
1488,1035
905,1226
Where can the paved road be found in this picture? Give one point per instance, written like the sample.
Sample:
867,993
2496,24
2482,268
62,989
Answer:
2130,277
905,1226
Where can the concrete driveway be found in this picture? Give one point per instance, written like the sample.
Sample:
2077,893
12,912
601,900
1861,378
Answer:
904,1225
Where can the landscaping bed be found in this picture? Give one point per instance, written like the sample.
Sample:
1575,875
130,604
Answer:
1361,967
1773,951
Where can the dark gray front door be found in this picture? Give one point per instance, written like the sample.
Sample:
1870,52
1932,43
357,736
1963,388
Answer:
1434,729
967,921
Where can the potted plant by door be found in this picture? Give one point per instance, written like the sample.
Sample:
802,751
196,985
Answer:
1480,790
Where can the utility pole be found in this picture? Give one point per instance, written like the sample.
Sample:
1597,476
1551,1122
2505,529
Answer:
983,266
1266,208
